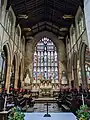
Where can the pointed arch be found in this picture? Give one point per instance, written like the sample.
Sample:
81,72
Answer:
45,60
6,47
82,50
10,21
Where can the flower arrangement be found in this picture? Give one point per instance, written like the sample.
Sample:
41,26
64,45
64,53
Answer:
16,114
83,113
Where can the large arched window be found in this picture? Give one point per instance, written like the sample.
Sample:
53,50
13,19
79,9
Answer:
9,26
45,65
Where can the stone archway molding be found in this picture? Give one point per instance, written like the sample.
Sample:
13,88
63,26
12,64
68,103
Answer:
9,53
82,49
30,47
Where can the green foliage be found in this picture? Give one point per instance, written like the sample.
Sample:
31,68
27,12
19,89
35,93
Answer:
83,113
16,114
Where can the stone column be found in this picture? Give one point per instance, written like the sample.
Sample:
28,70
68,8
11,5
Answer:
8,77
22,74
16,78
75,78
29,56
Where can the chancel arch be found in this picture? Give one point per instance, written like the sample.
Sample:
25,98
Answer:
61,59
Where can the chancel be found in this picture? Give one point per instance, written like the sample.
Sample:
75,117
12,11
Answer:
44,58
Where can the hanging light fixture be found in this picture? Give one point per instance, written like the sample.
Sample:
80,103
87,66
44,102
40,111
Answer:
63,29
68,16
22,16
27,29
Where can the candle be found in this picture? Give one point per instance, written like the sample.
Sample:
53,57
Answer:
82,99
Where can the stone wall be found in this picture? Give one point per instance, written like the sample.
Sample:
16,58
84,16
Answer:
30,47
15,45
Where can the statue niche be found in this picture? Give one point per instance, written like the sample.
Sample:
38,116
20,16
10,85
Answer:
27,80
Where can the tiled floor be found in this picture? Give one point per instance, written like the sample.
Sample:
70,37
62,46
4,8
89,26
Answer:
41,107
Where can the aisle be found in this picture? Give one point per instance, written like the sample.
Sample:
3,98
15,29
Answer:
42,107
54,116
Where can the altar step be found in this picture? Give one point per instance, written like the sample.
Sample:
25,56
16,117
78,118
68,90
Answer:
45,100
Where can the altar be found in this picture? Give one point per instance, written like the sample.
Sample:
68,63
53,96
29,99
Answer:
54,116
45,89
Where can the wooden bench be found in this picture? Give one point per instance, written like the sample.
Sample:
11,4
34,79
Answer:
65,108
66,103
4,115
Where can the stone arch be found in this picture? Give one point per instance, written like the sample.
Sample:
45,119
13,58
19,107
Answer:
9,54
82,50
58,43
9,49
47,34
16,59
19,29
30,47
17,35
10,14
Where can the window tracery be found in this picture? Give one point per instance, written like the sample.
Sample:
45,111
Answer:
9,26
45,61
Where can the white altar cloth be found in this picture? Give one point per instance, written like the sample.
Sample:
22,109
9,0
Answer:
54,116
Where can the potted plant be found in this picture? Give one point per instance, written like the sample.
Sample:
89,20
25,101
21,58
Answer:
83,113
16,114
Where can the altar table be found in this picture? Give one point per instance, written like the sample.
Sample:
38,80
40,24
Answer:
54,116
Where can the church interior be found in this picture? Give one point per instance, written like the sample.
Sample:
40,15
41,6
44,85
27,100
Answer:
44,57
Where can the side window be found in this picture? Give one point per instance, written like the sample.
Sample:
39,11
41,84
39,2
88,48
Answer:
9,26
81,25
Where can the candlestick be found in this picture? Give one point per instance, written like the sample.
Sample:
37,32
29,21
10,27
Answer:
82,99
5,103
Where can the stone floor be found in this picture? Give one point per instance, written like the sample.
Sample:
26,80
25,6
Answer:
42,107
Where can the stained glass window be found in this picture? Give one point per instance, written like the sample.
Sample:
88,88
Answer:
45,63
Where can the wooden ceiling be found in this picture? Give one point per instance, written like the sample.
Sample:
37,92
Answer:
44,15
